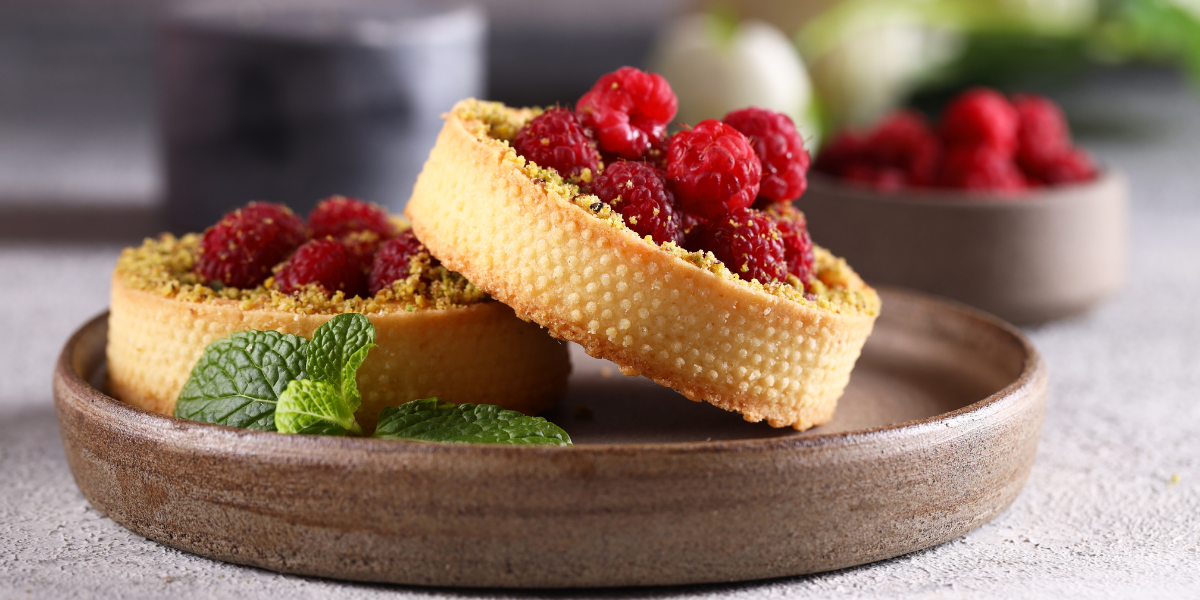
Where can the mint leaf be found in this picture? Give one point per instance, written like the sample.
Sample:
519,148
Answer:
312,406
327,428
338,348
436,421
325,403
239,379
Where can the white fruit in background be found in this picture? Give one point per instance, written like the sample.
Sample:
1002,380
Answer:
1046,16
716,67
866,56
872,67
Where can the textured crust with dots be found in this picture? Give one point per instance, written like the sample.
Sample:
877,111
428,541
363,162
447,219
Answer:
480,353
623,298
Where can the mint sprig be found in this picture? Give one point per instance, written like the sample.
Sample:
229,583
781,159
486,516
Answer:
338,349
330,395
282,382
239,378
436,421
310,405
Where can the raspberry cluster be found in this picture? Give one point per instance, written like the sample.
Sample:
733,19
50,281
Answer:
694,188
779,148
719,169
984,142
347,246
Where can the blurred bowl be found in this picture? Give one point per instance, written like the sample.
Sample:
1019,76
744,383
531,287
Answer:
295,100
1051,253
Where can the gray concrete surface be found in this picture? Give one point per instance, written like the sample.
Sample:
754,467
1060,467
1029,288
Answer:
1111,510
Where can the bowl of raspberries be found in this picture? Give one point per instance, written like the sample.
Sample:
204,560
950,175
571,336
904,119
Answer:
992,205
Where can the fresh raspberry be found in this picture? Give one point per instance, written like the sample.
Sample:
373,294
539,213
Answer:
690,222
847,149
981,117
747,241
629,111
639,192
980,168
1069,166
883,179
293,227
362,245
797,243
326,262
556,140
713,169
900,152
393,259
339,216
241,248
1042,134
779,148
904,141
656,156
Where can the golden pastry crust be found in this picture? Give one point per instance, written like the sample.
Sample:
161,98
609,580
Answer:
683,321
478,353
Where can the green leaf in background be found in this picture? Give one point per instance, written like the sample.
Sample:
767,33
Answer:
239,379
869,56
436,421
338,349
1162,30
314,407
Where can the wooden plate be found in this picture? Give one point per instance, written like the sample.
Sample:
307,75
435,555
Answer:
1044,255
934,437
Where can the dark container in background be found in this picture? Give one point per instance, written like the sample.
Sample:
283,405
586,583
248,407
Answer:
293,103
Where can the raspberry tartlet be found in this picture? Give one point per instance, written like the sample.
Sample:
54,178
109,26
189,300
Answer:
568,255
437,334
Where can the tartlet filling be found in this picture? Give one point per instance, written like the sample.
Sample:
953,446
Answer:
164,266
836,288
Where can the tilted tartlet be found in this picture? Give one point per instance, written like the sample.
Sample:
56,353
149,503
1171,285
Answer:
437,334
566,261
